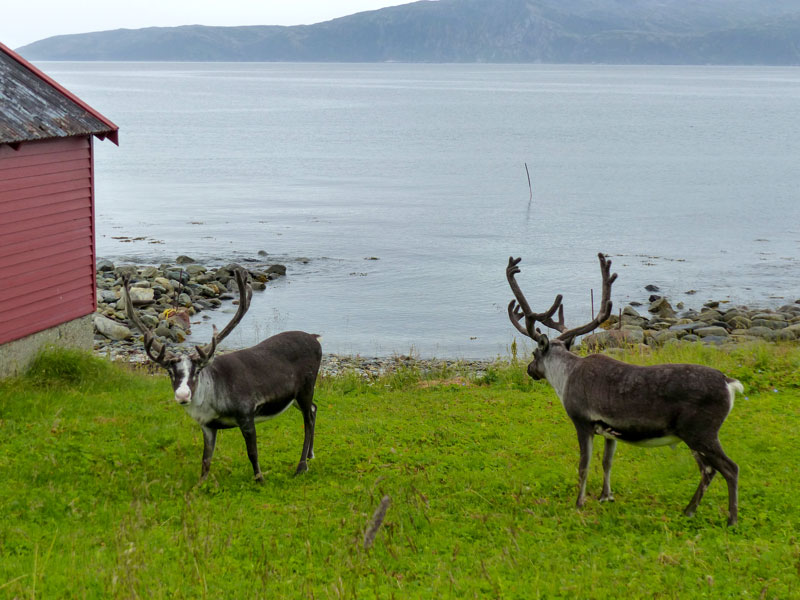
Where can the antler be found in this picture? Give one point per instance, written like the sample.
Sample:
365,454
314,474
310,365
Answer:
516,313
245,294
154,349
605,304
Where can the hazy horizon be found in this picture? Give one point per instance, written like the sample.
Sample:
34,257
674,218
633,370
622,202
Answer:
23,23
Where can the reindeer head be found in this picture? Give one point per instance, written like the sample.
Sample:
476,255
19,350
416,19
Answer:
184,369
519,308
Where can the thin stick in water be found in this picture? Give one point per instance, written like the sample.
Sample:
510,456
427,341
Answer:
530,187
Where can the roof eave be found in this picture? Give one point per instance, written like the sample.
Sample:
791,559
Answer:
112,133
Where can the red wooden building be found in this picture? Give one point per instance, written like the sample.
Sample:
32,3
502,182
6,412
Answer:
47,248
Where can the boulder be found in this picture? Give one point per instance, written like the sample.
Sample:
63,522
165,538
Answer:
185,260
149,272
165,283
782,335
662,337
129,270
662,308
715,331
769,323
613,338
104,265
142,296
111,329
277,269
195,270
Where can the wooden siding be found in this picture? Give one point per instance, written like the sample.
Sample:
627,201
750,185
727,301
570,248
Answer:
47,257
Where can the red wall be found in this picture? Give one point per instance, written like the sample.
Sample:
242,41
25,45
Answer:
47,257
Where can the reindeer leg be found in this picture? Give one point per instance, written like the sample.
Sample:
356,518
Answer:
313,426
717,458
309,410
248,427
608,457
585,441
707,473
209,442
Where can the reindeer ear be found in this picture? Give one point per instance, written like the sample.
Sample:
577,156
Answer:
544,343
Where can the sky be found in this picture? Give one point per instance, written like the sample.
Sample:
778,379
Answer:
31,20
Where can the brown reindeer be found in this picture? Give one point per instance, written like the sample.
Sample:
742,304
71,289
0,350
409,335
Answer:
241,388
645,406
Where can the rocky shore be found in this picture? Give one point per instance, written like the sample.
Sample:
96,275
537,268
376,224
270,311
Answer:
714,323
170,296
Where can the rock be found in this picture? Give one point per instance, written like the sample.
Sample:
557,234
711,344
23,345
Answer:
107,296
185,260
277,269
739,322
662,308
613,338
662,337
184,300
769,316
712,304
769,323
129,270
111,329
164,331
631,312
652,288
195,270
688,327
262,253
165,283
760,332
258,286
705,332
782,335
707,316
149,320
104,265
142,296
149,272
177,275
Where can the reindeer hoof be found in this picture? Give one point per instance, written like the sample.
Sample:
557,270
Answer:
607,498
259,478
301,468
732,521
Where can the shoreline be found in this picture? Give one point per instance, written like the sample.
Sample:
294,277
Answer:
171,297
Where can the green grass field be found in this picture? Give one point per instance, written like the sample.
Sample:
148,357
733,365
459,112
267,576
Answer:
99,494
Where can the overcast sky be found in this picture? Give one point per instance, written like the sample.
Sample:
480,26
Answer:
26,21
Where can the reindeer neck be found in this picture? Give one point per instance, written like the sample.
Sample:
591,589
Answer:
558,365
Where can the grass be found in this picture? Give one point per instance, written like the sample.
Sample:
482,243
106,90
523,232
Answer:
99,494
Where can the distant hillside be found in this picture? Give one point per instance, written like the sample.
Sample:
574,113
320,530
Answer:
552,31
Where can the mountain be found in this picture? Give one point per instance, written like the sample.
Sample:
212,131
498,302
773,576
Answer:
549,31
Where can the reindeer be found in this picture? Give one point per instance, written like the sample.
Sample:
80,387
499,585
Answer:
645,406
241,388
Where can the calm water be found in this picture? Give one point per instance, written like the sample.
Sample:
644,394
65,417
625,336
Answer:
689,177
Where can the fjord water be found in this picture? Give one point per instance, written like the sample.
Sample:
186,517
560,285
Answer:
688,177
